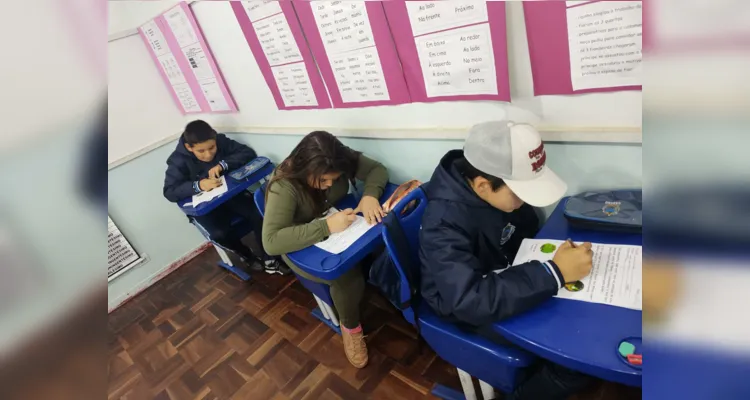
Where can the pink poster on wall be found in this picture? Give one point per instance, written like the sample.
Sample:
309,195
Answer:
275,37
354,50
184,60
451,50
584,46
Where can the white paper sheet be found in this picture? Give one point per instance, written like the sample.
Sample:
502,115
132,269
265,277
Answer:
343,25
432,16
198,61
203,197
186,97
277,40
338,242
615,277
359,76
457,62
155,38
214,95
294,85
261,9
181,27
605,42
171,69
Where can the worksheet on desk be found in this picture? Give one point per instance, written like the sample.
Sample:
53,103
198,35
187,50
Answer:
615,277
340,241
203,197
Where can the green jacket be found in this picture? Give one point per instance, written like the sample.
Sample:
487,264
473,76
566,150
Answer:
289,223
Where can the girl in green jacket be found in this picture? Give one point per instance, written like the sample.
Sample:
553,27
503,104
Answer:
304,186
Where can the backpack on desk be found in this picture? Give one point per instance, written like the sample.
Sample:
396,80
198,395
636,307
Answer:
615,210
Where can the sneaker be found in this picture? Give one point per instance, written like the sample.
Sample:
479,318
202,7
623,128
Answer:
354,346
276,267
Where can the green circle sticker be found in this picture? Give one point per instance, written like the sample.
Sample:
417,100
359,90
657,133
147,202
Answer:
548,248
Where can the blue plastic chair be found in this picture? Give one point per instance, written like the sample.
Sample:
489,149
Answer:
494,365
321,292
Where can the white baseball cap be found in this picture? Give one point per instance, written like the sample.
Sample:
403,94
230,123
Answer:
515,153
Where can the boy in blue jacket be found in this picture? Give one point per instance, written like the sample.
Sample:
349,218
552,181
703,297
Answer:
478,213
201,157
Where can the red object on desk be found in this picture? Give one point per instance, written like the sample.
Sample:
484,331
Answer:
635,359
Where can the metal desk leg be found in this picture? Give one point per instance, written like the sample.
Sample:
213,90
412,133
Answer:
467,384
226,263
322,309
488,393
325,314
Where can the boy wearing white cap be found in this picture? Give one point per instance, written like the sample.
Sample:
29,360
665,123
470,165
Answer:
478,213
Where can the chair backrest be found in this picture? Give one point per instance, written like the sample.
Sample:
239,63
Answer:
401,238
260,199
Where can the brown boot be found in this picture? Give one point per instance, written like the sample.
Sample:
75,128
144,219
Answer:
354,346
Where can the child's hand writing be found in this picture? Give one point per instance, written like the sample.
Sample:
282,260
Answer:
370,209
341,220
574,262
209,183
215,172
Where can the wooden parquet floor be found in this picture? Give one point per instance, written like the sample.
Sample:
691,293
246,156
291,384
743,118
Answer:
201,333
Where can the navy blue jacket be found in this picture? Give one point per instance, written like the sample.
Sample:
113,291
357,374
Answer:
184,169
463,239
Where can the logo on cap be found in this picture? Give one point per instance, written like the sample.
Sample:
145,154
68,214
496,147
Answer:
538,156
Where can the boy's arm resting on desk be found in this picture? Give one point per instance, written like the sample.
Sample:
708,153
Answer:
447,255
280,235
373,174
177,184
239,154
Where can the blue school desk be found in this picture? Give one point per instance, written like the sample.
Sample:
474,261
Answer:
575,334
233,188
322,264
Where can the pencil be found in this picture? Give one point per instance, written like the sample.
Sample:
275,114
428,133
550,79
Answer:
572,243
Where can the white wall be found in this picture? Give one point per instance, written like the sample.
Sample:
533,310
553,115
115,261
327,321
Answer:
591,117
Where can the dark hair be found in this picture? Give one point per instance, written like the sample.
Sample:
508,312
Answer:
198,131
469,172
317,154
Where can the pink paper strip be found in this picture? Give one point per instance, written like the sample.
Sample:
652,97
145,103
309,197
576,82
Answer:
547,34
321,95
400,25
161,70
393,75
212,63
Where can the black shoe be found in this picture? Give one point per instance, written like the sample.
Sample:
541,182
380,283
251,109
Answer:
276,267
255,264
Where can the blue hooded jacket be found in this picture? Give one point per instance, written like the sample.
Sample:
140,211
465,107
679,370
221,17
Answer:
463,239
184,169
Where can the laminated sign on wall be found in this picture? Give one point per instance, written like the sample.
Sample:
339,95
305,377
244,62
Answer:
185,62
120,254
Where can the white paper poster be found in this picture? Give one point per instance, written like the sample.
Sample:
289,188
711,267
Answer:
605,42
455,59
171,69
181,27
213,94
615,277
277,41
350,46
120,254
186,97
294,85
261,9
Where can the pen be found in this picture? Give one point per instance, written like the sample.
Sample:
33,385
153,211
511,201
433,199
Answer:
572,244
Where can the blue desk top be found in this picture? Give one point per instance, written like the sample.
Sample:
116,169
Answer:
579,335
324,265
233,188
